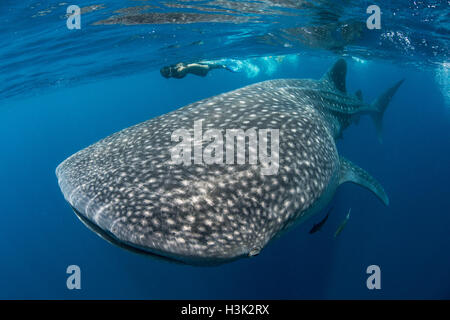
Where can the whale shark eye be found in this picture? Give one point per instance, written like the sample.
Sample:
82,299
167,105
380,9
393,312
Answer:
254,251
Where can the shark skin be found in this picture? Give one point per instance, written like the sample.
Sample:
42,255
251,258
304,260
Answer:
126,189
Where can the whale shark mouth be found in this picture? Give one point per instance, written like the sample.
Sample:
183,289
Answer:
156,254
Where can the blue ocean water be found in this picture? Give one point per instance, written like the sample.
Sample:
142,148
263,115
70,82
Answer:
62,90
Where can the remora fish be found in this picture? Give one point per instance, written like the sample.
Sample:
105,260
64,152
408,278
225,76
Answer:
318,226
343,224
125,188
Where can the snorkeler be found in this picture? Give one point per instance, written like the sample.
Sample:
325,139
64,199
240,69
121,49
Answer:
180,70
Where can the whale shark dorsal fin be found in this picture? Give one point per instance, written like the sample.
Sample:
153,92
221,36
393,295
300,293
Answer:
350,172
358,94
336,75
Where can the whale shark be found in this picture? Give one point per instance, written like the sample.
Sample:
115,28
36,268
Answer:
126,188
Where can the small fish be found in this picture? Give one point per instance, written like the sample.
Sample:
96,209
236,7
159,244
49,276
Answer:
318,226
342,225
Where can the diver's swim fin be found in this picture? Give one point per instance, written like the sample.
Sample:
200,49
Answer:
349,172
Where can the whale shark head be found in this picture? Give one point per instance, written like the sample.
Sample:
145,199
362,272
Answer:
127,188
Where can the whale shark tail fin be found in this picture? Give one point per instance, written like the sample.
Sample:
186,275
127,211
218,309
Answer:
379,107
336,76
350,172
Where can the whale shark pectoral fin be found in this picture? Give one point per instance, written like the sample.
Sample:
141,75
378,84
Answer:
336,75
349,172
